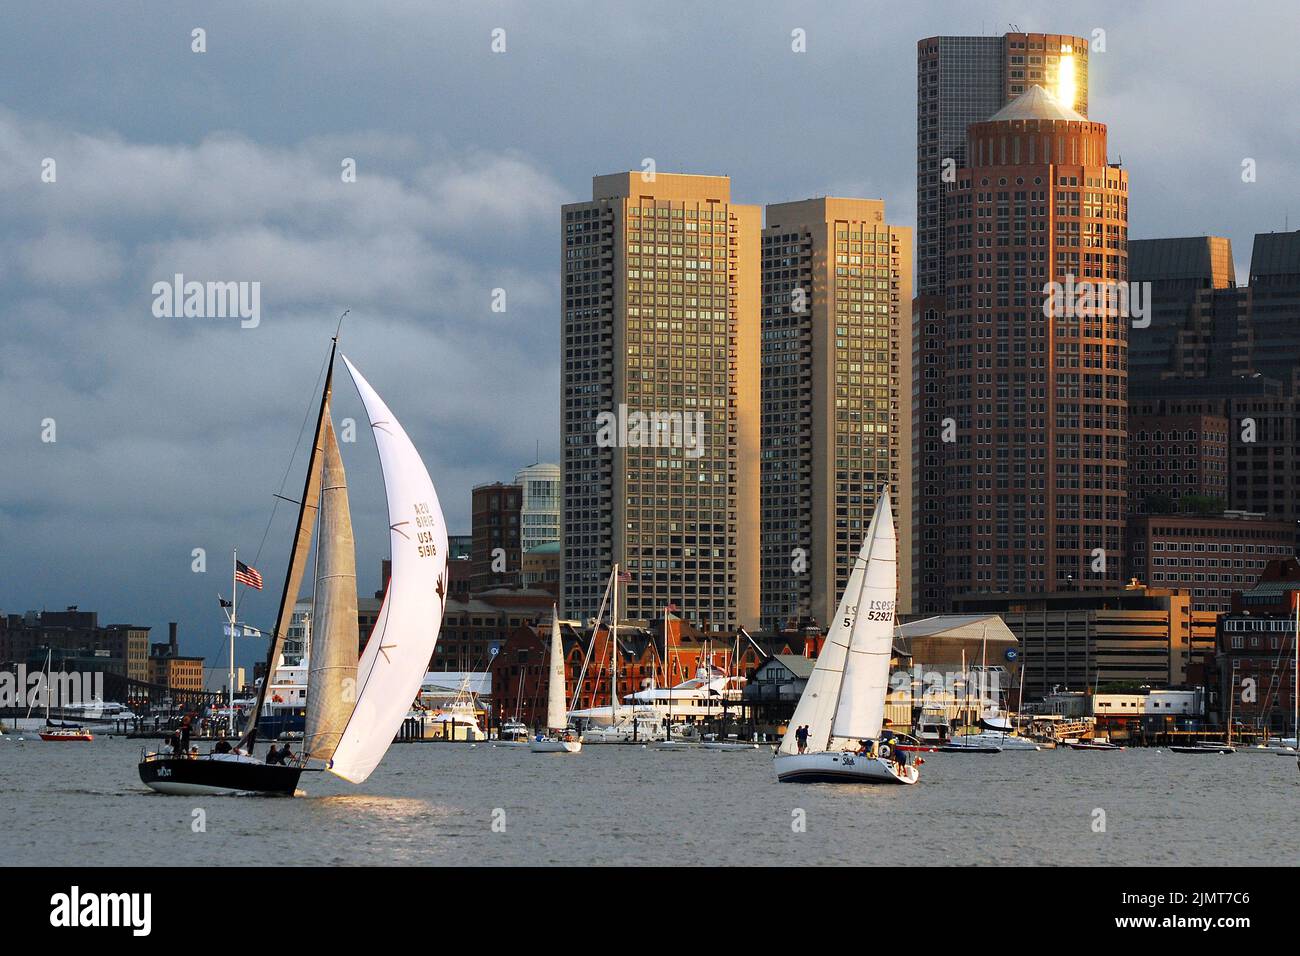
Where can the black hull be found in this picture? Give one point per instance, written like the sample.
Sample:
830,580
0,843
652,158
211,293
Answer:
196,776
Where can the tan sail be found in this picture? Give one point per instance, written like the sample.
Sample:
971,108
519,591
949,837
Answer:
298,555
332,671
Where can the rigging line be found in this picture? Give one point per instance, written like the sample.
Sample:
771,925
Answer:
311,402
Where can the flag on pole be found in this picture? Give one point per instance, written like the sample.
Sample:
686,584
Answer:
224,602
246,575
625,576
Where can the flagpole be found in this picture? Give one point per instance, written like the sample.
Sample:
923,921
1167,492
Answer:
234,610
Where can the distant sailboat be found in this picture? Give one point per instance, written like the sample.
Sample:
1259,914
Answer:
354,707
843,704
558,739
61,732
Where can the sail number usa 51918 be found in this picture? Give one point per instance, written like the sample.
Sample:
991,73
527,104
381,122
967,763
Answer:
425,521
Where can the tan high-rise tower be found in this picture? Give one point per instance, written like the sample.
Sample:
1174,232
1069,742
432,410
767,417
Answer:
1035,385
960,80
837,397
659,398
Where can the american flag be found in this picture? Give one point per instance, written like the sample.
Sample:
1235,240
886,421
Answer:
625,576
246,575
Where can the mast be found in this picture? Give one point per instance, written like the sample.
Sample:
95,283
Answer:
298,551
613,654
234,608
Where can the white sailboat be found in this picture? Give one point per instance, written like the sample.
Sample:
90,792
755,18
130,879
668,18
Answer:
843,703
354,707
558,739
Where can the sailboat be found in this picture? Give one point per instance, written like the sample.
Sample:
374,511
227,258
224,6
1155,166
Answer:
558,739
355,707
60,732
843,704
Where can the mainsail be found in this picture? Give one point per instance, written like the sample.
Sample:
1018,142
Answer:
816,707
399,650
332,672
865,682
556,716
297,554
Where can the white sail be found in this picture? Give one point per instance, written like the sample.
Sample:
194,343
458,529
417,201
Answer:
865,682
332,671
555,697
816,707
399,650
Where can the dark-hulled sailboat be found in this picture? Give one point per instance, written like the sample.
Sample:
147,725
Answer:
354,707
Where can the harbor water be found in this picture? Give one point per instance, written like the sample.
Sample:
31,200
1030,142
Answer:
455,804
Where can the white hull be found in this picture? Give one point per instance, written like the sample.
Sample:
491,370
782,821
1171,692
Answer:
675,745
555,746
718,745
511,744
841,767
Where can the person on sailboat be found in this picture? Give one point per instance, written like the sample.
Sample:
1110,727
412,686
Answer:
801,737
273,757
286,755
222,747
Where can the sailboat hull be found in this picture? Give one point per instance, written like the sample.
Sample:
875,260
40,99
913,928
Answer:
555,746
212,775
841,767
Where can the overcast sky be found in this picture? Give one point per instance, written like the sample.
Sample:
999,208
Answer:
173,433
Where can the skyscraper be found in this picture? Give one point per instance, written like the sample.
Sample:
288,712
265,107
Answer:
1034,394
960,81
836,396
659,397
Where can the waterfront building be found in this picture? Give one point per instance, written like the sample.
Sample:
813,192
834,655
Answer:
173,670
1075,640
960,80
496,549
660,398
541,566
1211,555
836,397
73,635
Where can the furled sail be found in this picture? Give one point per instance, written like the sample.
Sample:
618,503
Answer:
332,671
816,707
298,554
556,715
865,683
399,650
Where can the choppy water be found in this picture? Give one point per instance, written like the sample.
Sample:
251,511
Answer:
83,804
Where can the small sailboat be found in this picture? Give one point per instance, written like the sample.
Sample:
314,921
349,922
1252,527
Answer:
60,732
843,704
559,737
354,707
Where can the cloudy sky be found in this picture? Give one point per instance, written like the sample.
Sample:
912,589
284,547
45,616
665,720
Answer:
173,433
